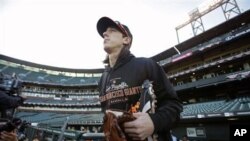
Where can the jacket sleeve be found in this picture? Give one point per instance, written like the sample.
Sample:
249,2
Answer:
168,106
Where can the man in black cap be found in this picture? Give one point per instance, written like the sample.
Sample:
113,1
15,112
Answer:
120,84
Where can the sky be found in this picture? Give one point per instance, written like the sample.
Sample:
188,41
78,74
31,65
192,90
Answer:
62,33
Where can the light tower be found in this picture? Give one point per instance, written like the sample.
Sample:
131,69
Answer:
228,7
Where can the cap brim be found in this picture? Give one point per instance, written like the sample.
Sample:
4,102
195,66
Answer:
104,23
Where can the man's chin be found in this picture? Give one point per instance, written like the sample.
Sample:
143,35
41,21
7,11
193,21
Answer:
107,49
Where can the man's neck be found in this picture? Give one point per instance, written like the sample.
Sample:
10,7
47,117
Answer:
113,57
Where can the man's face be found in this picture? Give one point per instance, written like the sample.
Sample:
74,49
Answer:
113,39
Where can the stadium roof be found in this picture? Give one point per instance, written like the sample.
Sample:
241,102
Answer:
22,62
205,36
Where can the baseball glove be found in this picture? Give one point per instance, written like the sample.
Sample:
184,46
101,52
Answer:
113,126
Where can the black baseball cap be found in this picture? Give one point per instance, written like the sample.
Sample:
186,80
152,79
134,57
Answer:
106,22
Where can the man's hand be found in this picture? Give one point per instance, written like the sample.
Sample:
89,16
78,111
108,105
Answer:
8,136
141,128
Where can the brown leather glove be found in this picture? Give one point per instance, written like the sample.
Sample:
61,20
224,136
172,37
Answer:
113,126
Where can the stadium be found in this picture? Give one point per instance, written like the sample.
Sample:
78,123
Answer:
210,73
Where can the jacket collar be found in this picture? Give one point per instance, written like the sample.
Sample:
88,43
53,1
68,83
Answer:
124,57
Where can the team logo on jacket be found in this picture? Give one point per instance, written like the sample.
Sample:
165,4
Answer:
118,91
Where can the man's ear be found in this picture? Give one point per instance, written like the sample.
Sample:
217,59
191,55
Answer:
126,40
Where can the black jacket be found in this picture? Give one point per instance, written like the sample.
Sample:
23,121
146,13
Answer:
122,89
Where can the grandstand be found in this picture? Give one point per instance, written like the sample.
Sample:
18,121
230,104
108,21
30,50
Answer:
54,95
211,74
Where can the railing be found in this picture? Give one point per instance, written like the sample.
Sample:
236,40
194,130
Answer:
214,80
55,134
